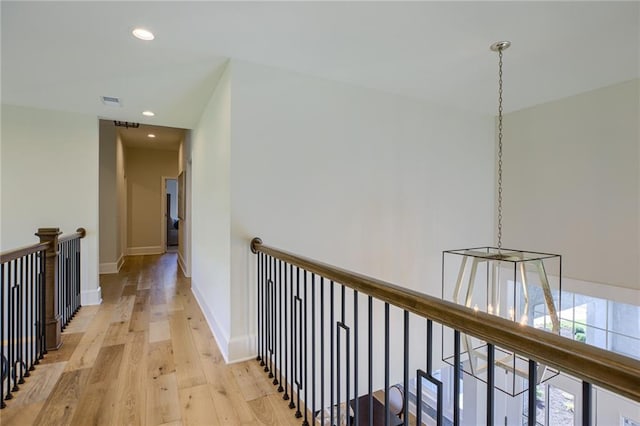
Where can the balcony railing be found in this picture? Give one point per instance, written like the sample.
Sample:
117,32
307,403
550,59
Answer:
325,333
39,294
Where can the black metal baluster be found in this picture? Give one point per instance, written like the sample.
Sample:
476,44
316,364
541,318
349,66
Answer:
28,337
43,298
438,383
269,366
30,322
370,366
280,280
313,348
36,309
356,413
12,329
20,336
259,308
531,420
405,405
332,321
271,315
305,377
386,364
274,323
491,353
265,312
456,378
79,280
3,300
60,279
586,403
322,350
292,329
261,331
338,375
339,358
298,341
287,322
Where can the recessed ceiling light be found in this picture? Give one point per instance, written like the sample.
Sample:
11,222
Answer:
143,34
151,135
148,113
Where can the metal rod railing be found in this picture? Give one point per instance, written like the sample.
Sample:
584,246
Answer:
39,284
592,365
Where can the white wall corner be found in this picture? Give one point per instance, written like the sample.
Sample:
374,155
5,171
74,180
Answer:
91,297
111,267
183,266
222,339
137,251
242,348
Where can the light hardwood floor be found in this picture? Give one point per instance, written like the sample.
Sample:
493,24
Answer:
145,357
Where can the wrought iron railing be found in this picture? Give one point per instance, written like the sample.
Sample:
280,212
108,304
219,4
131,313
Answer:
314,320
39,293
69,276
22,295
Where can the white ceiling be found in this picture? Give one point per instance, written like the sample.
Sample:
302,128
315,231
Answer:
65,55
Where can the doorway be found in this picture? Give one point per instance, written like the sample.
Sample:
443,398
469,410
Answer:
171,220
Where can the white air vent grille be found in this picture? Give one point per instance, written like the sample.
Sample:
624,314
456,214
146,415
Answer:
111,101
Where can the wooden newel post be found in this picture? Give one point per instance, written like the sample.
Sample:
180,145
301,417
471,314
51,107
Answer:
52,316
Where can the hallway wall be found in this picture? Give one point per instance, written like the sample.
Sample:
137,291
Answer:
372,182
211,218
49,178
110,252
145,197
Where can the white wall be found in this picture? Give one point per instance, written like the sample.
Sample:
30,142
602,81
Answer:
146,197
372,182
108,199
211,217
50,179
184,230
121,189
572,183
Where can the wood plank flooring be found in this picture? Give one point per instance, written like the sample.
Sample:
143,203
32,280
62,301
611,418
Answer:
145,357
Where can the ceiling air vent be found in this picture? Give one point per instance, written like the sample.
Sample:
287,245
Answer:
111,101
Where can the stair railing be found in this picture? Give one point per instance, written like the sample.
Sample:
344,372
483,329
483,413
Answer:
309,335
39,294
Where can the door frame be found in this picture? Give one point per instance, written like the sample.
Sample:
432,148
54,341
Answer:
163,211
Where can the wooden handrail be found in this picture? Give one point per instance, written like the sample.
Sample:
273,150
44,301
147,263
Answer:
80,233
609,370
9,255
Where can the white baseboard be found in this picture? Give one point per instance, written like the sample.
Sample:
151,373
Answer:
182,265
221,338
91,297
242,348
112,267
137,251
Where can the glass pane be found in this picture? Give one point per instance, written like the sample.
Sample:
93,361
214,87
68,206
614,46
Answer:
624,345
590,310
540,405
561,407
624,319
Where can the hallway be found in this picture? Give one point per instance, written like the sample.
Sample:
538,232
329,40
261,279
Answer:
144,357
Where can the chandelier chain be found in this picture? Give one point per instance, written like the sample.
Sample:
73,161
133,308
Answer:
500,149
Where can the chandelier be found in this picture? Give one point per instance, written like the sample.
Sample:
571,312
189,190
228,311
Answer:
522,286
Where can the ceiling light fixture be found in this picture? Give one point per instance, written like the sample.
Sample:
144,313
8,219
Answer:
143,34
148,113
520,286
151,135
